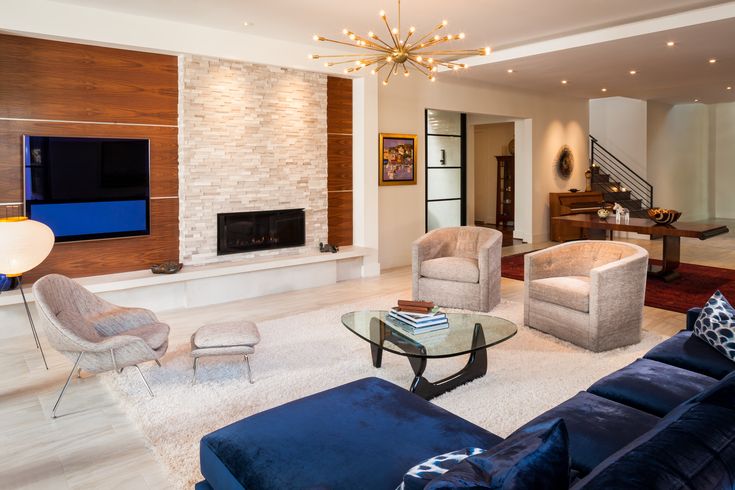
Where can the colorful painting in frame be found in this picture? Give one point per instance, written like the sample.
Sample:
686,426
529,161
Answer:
397,159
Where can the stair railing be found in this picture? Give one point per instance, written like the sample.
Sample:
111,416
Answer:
639,187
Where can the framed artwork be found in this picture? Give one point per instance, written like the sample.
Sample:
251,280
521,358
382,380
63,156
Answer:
397,159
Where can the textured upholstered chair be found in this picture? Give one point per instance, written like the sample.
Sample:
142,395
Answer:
98,336
589,293
458,267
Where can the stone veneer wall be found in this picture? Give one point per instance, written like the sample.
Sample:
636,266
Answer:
251,138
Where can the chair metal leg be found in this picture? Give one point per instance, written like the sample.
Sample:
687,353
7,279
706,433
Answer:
144,380
68,379
30,320
158,362
250,372
196,364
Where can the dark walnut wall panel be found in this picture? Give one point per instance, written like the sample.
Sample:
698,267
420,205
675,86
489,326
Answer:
339,158
50,88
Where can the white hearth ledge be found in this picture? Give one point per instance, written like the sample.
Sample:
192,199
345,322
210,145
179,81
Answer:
201,285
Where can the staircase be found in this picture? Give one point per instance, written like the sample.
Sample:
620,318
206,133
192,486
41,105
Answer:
619,183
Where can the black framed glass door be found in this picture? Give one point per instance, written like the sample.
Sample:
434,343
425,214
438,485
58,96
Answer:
446,165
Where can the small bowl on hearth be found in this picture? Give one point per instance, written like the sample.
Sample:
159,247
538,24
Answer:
663,216
603,213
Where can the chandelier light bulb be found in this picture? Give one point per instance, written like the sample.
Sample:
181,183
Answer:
371,35
419,58
432,78
345,31
412,29
382,14
385,82
406,73
461,35
394,30
487,50
444,23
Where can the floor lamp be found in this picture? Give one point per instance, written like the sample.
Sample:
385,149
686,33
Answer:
24,244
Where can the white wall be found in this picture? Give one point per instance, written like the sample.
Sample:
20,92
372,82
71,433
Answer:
555,121
491,140
724,159
678,158
619,124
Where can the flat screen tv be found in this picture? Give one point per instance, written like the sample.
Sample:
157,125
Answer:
88,188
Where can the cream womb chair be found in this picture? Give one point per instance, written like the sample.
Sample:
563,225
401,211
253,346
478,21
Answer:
589,292
98,336
458,267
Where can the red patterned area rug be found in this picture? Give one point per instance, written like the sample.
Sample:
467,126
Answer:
693,288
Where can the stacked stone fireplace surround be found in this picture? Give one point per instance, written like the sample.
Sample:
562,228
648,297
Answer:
251,138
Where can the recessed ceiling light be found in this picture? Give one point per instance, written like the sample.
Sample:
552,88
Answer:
564,82
510,70
632,72
712,61
670,43
604,90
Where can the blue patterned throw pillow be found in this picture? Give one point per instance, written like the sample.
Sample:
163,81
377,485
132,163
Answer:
716,325
417,477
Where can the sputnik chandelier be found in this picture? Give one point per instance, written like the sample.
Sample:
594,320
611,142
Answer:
424,55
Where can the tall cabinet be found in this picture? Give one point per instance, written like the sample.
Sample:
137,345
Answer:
505,204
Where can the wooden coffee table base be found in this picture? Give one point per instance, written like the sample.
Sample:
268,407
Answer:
476,366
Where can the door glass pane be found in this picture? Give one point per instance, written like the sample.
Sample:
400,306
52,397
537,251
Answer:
447,148
441,214
444,183
444,122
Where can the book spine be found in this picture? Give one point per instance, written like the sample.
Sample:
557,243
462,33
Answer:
419,304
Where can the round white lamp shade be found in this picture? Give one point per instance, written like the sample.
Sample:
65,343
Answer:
24,244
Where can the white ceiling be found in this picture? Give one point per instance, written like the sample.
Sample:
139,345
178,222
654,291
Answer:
673,75
496,23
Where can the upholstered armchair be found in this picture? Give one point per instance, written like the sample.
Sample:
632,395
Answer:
96,335
589,293
458,267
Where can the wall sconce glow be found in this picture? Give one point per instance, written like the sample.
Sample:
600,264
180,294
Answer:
728,88
604,90
510,70
670,43
712,61
632,72
564,82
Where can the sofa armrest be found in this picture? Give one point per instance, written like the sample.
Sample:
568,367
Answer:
692,316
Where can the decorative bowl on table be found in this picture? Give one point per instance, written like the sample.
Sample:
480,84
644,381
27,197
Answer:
664,216
603,213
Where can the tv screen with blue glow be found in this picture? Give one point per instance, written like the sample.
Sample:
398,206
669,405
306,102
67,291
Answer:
88,188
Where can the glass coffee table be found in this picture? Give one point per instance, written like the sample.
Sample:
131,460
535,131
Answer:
468,333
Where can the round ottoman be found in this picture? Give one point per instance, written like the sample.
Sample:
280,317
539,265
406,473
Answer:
236,338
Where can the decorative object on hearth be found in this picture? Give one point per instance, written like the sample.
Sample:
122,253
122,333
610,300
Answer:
512,146
603,213
565,162
588,177
664,216
397,159
573,190
168,267
423,55
24,244
328,248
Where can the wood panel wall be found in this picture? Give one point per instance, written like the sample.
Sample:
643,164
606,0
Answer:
339,158
51,88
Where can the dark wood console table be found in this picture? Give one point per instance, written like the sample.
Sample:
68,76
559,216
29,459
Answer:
599,228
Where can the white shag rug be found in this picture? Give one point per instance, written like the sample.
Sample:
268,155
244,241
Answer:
306,353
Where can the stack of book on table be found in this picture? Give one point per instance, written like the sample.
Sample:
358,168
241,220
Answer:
417,317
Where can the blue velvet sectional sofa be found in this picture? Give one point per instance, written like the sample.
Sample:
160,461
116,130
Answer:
666,421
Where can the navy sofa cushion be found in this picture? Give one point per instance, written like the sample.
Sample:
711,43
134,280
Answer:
692,448
651,386
365,434
597,427
536,458
686,351
722,394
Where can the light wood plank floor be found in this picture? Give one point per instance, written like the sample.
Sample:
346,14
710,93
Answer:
95,446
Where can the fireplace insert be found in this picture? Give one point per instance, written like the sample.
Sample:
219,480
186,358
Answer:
260,230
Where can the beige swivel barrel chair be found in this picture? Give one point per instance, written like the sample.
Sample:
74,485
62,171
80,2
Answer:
589,293
458,267
96,335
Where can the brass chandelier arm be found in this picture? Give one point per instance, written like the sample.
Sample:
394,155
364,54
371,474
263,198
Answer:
428,34
343,43
420,67
450,52
390,32
369,42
